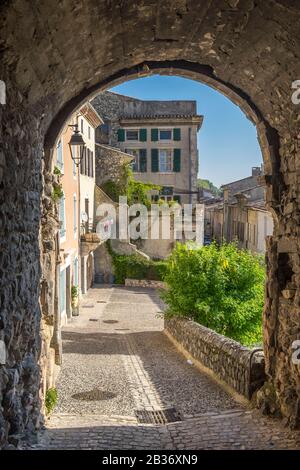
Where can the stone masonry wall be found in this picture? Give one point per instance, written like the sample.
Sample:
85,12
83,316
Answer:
20,270
145,283
230,361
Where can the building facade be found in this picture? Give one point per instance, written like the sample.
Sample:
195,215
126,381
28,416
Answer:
162,138
241,215
88,120
75,211
69,235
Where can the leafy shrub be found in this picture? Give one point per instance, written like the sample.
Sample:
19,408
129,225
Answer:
136,267
51,399
57,192
135,191
57,171
220,287
114,190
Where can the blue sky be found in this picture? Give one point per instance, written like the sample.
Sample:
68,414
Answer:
227,142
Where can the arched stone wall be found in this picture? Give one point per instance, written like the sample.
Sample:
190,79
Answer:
52,55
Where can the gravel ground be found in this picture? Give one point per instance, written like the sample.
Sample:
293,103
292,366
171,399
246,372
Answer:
116,325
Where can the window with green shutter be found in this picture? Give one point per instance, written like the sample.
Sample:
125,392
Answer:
177,160
143,160
154,135
177,198
121,135
143,135
154,160
177,134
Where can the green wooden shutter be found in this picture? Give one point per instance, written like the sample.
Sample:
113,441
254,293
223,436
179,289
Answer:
177,134
154,160
143,135
154,135
121,135
177,160
143,160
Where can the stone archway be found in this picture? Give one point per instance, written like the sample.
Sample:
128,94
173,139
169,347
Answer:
53,56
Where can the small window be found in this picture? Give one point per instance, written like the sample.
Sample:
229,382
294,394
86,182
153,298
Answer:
132,135
59,155
89,132
165,161
135,161
167,191
165,134
81,126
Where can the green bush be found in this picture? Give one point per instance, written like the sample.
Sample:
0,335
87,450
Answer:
57,192
50,399
220,287
136,267
135,191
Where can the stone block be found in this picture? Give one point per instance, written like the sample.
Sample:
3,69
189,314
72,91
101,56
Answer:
2,353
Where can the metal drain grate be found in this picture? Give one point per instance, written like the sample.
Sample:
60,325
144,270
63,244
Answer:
101,302
87,306
110,321
167,415
93,319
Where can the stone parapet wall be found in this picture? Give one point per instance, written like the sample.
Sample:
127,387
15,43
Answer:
238,366
144,283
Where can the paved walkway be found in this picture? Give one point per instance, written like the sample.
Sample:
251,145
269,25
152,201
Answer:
117,360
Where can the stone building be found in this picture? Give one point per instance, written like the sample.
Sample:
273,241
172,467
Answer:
241,215
162,138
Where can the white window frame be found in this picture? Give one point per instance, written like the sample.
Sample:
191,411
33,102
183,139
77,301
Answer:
165,129
169,153
62,276
60,163
136,157
132,130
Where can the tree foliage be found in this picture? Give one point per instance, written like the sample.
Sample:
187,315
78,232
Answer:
206,184
220,287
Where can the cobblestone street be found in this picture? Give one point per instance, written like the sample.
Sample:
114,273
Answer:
117,360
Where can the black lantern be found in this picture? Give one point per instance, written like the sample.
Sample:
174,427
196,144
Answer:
77,145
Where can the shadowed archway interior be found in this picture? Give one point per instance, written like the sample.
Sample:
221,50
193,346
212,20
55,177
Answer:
54,56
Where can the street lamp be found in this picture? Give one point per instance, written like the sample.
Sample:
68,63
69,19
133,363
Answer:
77,145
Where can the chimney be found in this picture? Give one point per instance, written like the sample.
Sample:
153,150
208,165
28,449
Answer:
256,171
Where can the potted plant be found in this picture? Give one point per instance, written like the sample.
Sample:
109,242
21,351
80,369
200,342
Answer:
74,300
